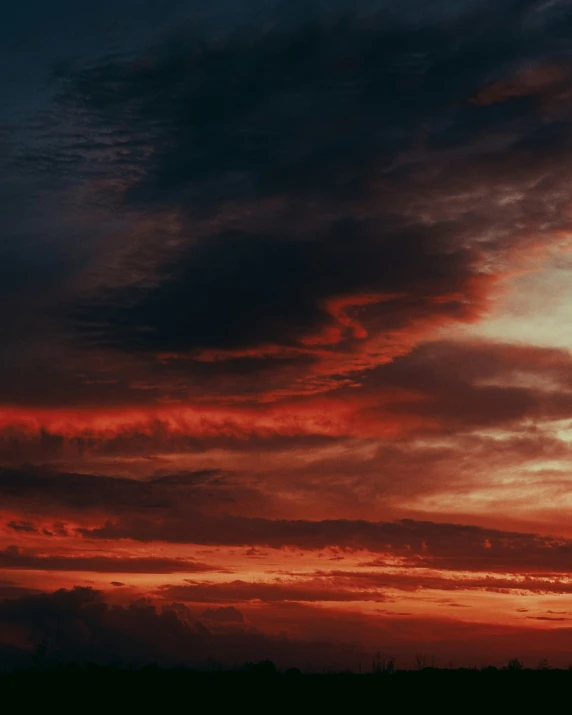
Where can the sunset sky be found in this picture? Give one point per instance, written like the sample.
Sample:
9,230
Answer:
286,336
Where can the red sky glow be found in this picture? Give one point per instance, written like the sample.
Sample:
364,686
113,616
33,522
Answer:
286,358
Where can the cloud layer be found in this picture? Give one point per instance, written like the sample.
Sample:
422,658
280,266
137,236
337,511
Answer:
283,299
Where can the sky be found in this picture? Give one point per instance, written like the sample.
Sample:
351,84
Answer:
285,300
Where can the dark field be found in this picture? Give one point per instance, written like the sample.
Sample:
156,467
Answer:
152,690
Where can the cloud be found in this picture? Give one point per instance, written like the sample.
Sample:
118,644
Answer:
62,492
210,508
224,614
546,81
240,282
13,557
351,223
441,387
310,590
12,589
25,526
267,234
266,291
197,508
79,624
445,546
471,384
360,586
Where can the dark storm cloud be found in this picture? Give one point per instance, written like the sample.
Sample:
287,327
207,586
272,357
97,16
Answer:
473,384
422,543
322,160
306,590
42,491
197,509
41,253
10,589
213,215
20,445
351,586
25,526
471,361
80,625
285,157
270,289
228,614
438,388
13,557
312,108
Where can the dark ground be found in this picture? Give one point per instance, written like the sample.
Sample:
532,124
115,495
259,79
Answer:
153,690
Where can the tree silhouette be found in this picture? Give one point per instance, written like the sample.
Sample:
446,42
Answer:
263,667
41,652
382,666
424,660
